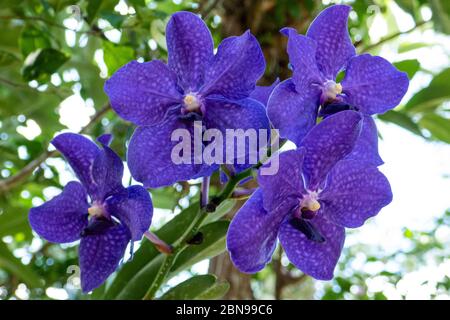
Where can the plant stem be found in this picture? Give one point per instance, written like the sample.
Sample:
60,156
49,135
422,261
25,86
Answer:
195,226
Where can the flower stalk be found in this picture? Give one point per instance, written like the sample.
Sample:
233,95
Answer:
205,208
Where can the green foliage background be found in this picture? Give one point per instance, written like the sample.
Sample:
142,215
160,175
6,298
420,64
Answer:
51,50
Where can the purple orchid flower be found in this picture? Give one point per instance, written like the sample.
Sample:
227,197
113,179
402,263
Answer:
307,205
113,217
261,94
194,85
371,84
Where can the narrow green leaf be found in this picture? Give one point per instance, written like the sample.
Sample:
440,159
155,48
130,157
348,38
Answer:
191,288
15,266
213,244
129,276
220,211
214,236
215,292
401,119
432,96
139,283
438,126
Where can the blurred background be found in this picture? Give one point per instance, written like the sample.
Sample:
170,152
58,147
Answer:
56,54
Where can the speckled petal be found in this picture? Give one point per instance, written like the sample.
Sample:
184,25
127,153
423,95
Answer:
373,84
80,152
246,114
292,113
143,92
107,173
63,218
327,143
262,93
355,191
149,155
334,46
133,207
316,259
366,147
100,255
252,235
302,56
190,46
287,184
236,67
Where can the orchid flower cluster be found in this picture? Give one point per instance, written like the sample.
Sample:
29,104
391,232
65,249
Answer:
328,183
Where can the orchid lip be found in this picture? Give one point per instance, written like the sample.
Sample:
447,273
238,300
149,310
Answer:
308,229
335,107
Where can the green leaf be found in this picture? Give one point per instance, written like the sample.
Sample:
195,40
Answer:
137,3
215,292
12,222
32,39
15,266
432,96
409,66
42,63
438,126
92,9
116,56
165,198
139,281
115,19
225,207
401,119
213,244
132,272
191,288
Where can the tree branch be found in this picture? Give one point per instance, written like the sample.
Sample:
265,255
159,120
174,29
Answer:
393,36
206,10
50,23
13,181
51,90
283,276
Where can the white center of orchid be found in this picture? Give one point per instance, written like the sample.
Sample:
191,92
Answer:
191,102
96,210
310,202
330,90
